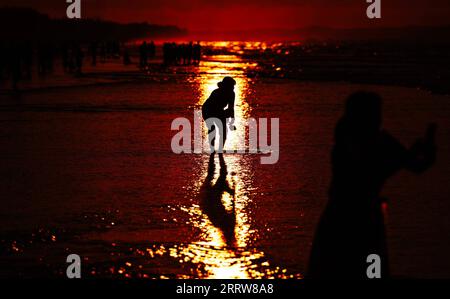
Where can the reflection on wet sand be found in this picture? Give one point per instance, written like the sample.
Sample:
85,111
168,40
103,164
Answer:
221,213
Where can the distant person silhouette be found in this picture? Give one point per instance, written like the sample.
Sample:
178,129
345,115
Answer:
363,158
211,201
79,56
93,49
197,53
151,50
126,57
217,109
143,55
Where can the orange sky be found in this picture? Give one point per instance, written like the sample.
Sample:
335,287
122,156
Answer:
223,15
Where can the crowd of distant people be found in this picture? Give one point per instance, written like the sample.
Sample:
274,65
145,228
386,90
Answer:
19,59
182,54
173,53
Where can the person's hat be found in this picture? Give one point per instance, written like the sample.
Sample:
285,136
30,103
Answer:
227,81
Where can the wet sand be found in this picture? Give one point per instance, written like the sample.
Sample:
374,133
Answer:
89,170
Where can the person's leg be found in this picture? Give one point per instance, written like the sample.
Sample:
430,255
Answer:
213,125
223,132
210,124
212,138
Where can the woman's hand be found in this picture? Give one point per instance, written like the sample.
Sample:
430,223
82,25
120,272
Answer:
231,124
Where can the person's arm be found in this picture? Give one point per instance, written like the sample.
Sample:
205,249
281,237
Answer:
230,112
422,153
231,106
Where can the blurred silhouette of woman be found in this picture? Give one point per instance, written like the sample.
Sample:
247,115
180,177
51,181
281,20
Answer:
217,109
363,158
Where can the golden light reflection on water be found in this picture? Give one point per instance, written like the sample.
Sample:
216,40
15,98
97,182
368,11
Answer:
223,247
220,259
225,237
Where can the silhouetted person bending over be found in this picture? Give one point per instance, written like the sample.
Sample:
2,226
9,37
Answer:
217,109
363,158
